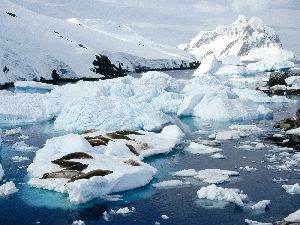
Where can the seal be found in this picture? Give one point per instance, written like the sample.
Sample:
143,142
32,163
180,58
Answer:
132,162
77,155
132,149
93,173
118,136
70,165
62,174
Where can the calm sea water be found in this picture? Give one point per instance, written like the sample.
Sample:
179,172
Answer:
180,204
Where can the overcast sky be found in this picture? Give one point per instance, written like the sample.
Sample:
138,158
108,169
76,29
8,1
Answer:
176,21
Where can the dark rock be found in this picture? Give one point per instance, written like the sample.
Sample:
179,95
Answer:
103,66
286,124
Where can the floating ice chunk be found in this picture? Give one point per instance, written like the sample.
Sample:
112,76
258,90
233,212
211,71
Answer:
23,147
293,217
1,172
270,65
246,147
215,176
225,105
186,173
196,148
32,86
233,70
165,217
8,188
252,222
14,131
78,222
209,65
292,189
106,216
170,183
125,210
261,205
228,135
218,156
19,108
214,193
19,158
245,128
248,169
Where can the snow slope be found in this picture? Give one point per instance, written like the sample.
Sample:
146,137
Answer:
33,45
243,38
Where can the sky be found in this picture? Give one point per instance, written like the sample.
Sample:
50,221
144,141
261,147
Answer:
177,21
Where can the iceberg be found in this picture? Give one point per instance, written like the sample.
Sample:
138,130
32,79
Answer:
86,175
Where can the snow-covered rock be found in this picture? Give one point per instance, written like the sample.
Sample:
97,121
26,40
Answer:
215,193
244,37
33,45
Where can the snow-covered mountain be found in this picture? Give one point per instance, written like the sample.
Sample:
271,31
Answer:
32,46
249,38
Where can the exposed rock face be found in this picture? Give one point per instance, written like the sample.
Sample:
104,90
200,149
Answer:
282,83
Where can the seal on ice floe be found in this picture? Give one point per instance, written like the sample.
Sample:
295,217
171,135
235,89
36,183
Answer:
77,155
132,162
62,174
93,173
70,165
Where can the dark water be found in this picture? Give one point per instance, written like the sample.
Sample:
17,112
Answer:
180,204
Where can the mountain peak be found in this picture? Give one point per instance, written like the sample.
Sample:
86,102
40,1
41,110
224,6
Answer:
239,38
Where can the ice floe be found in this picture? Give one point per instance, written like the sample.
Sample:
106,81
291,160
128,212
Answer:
261,205
19,158
32,86
8,188
215,193
293,217
78,222
196,148
69,164
292,189
22,146
252,222
211,176
1,172
170,183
